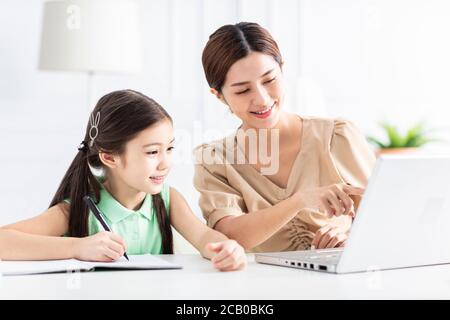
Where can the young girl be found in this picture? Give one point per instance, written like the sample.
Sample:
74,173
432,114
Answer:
130,138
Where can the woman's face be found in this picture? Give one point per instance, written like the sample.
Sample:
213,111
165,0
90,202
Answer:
254,90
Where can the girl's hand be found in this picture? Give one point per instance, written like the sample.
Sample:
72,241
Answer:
333,199
103,246
329,237
228,255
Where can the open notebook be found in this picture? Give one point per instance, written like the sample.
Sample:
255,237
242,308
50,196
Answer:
137,262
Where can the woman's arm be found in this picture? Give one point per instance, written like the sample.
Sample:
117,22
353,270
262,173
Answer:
40,238
253,228
226,254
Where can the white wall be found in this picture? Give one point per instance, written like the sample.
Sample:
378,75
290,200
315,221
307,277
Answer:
359,59
383,59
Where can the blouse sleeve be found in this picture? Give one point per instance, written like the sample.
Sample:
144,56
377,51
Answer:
218,199
351,154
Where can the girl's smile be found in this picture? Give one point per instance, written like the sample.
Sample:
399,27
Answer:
157,179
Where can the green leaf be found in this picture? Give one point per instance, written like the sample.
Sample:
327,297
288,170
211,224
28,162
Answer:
415,137
377,142
395,138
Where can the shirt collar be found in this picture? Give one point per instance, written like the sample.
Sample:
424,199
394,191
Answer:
114,211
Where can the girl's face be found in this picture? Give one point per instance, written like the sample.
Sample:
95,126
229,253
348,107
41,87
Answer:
147,158
254,90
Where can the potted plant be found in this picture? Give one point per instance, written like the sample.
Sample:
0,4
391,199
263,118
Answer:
414,138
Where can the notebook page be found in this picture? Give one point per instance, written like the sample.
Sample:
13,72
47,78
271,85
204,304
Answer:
137,262
35,267
144,262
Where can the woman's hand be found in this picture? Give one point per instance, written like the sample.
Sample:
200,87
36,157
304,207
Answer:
103,246
333,199
329,237
228,255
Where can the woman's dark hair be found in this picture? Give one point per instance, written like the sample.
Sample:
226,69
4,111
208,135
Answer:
123,114
230,43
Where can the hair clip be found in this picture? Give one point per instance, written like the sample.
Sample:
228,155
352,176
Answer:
94,125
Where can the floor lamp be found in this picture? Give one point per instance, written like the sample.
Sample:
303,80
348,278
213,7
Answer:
91,36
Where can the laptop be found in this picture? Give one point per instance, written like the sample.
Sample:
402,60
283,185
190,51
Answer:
403,221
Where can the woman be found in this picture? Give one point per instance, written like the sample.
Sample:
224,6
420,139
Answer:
322,165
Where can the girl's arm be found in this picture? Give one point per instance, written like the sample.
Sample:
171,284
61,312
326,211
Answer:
40,238
52,222
226,254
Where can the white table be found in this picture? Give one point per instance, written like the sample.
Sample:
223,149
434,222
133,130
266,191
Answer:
199,280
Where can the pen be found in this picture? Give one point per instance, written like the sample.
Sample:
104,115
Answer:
91,205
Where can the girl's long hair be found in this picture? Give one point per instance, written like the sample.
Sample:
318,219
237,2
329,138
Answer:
123,114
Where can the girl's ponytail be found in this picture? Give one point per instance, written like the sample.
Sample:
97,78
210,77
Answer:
164,223
76,183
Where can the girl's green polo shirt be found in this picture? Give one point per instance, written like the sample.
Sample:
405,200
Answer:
139,229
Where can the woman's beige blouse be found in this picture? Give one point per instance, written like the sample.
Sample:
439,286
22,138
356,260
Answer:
332,151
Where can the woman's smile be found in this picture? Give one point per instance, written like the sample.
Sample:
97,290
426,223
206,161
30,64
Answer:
265,113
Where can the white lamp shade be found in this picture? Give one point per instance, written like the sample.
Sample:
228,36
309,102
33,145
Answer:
90,35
